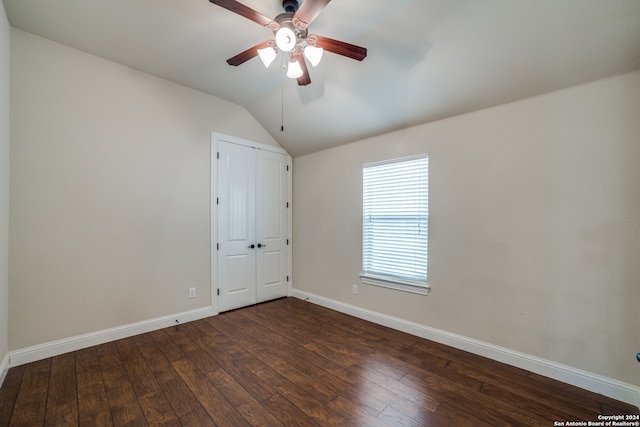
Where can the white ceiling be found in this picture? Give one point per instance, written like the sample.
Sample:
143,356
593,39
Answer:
427,59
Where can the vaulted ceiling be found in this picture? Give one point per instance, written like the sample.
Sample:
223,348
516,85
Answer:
427,59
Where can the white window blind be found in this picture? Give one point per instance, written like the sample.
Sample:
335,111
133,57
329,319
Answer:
395,221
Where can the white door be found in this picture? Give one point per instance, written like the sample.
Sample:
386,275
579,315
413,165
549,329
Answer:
252,255
271,225
236,226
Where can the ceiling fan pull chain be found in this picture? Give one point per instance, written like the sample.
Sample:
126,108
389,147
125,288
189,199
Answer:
282,76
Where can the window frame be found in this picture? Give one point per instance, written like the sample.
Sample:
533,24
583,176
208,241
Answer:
389,281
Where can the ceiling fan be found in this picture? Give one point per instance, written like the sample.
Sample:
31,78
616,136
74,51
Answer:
291,36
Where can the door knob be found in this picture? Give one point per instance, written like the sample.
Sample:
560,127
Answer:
252,246
260,245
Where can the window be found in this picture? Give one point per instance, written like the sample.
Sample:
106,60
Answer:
395,224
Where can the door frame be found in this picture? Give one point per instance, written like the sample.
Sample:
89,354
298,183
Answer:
216,137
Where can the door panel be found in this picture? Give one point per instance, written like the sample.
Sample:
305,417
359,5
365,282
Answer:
271,225
271,195
272,270
240,278
236,226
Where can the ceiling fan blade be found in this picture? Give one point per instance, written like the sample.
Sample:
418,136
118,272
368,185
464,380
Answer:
246,55
304,79
247,12
308,11
341,48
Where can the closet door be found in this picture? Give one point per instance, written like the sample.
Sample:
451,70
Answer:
236,226
271,225
252,225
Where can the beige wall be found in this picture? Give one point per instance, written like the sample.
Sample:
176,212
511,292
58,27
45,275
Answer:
110,184
534,226
4,183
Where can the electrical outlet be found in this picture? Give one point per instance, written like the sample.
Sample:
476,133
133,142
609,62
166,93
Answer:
192,292
354,289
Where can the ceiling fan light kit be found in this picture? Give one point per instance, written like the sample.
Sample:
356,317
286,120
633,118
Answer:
295,70
313,54
291,36
267,55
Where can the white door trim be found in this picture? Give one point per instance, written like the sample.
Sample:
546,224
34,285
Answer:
216,137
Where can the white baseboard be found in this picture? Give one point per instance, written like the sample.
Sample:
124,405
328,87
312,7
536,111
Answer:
4,368
55,348
596,383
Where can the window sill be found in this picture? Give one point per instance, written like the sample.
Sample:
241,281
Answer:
400,285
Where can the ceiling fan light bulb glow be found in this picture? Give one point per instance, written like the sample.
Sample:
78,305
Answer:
267,55
285,39
295,70
313,54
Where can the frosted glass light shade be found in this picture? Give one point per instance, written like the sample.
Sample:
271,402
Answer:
267,55
295,70
313,54
285,39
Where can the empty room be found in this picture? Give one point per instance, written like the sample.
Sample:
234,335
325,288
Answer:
315,212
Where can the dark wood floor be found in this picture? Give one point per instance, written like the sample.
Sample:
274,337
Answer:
291,363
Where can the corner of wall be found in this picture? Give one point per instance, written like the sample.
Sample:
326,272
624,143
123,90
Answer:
4,191
4,368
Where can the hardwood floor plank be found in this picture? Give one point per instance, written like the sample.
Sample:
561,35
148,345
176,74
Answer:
395,418
353,414
533,387
125,409
93,404
197,418
450,415
240,365
156,360
242,400
157,409
192,350
262,315
536,405
30,405
62,379
389,390
585,398
473,401
306,403
258,341
62,399
94,410
218,408
369,334
462,356
287,413
88,374
280,355
180,397
139,373
322,387
170,349
286,362
62,414
613,407
9,393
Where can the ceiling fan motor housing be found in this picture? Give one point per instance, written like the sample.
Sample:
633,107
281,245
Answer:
290,5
